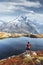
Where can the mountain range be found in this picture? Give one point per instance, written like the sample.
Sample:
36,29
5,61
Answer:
22,24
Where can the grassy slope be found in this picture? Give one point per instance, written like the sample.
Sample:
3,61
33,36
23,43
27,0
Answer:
24,60
9,35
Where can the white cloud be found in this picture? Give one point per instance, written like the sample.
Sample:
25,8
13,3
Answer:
7,7
35,16
31,4
7,18
10,6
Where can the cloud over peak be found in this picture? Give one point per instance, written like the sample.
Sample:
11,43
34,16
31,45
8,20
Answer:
12,8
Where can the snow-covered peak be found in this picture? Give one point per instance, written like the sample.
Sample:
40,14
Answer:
21,24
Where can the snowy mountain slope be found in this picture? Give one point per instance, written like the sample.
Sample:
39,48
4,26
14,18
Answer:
21,24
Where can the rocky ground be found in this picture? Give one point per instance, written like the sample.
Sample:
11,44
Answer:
30,58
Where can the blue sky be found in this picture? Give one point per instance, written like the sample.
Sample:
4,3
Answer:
10,9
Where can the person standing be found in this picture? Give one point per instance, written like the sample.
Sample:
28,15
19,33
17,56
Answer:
28,47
